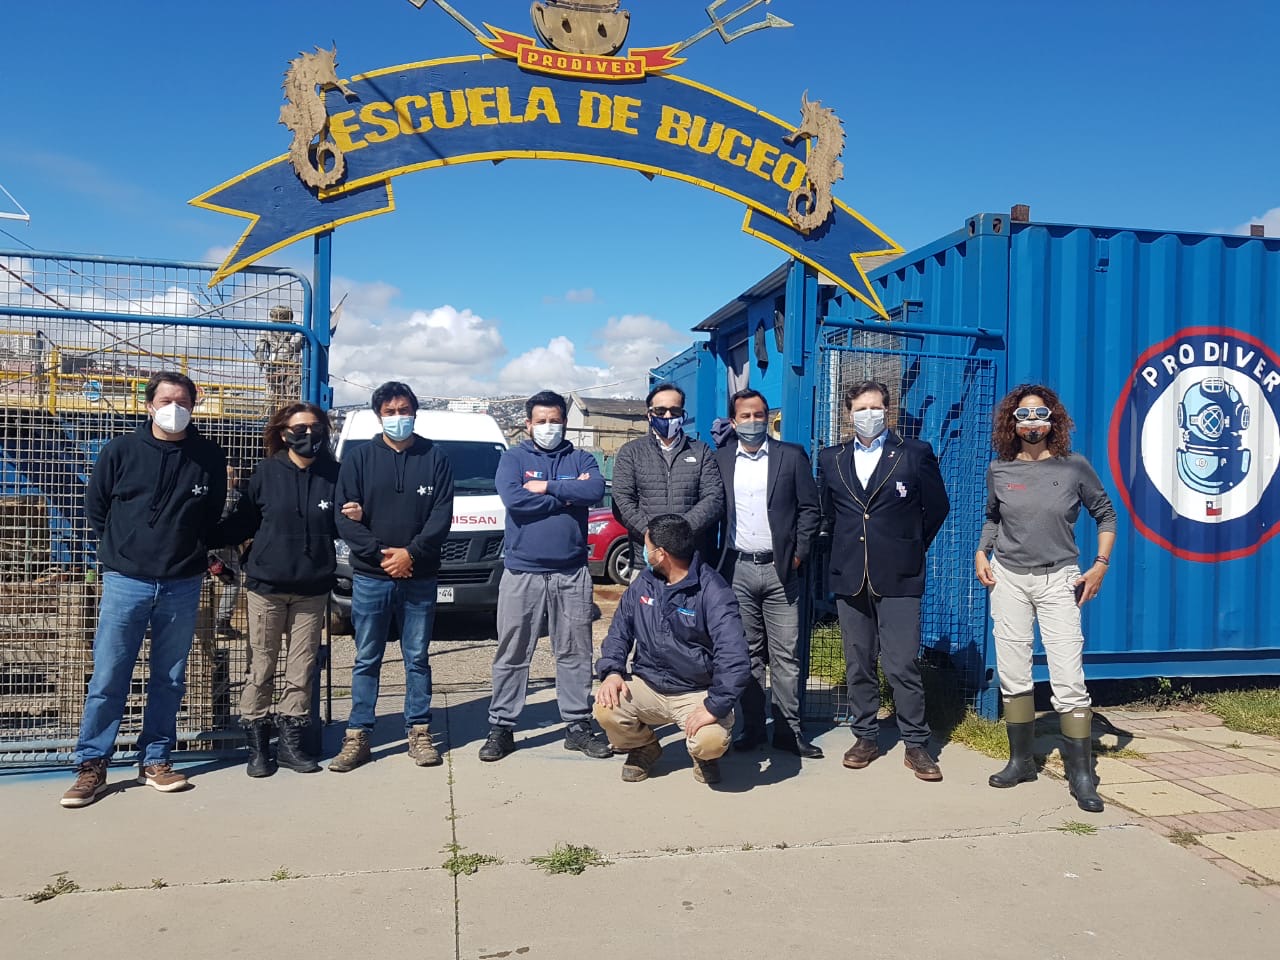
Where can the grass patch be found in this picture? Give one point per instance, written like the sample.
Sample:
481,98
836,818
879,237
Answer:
59,885
158,883
826,660
566,858
988,737
1247,711
1077,828
467,864
1185,838
282,873
1119,753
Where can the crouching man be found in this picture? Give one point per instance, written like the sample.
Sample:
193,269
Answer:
678,623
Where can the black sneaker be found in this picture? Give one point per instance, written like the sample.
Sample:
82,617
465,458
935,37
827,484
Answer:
580,736
502,740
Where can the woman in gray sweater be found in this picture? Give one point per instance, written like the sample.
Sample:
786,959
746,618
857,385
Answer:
1034,493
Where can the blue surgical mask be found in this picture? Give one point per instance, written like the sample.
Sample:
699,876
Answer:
667,429
752,432
397,427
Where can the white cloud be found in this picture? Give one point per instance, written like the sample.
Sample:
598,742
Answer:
586,295
1270,220
216,254
441,352
634,343
554,366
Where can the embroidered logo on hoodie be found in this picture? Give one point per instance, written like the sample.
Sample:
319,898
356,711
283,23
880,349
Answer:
648,601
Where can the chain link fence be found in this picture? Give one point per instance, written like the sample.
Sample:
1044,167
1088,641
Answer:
79,339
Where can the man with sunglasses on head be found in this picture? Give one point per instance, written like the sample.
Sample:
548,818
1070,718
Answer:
883,502
667,472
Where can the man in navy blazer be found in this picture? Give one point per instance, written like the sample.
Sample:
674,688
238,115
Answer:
771,522
883,502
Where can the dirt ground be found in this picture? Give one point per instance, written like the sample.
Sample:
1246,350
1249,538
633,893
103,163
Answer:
462,651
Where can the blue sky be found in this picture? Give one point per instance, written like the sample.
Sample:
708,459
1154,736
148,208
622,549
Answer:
1141,113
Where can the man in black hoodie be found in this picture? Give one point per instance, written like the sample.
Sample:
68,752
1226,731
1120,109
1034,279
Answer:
405,485
153,499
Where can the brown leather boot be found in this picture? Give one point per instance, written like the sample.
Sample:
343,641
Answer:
354,752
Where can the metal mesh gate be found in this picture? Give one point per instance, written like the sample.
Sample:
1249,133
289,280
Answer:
946,400
79,339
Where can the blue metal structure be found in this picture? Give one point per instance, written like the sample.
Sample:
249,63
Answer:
1123,323
80,336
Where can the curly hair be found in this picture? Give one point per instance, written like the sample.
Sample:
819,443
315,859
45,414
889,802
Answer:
1004,436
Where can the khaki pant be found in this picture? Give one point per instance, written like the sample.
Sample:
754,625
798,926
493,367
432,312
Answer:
298,623
1047,597
630,724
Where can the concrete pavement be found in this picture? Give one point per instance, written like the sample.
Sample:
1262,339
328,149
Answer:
819,861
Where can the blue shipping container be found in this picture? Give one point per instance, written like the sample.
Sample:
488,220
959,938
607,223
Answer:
1164,349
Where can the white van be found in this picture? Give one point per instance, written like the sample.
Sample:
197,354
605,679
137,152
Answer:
471,559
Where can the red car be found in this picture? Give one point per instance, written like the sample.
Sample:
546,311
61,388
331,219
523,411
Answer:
608,549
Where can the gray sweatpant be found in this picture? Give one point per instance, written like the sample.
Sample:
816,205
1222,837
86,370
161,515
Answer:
523,599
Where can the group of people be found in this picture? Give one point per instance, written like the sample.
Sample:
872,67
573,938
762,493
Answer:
725,532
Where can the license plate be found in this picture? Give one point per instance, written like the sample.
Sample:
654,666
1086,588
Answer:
444,594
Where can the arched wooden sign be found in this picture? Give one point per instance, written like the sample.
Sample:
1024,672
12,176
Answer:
529,100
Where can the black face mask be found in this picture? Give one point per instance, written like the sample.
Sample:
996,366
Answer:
305,444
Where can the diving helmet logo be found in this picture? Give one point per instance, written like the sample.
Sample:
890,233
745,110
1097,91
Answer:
588,27
1212,422
1195,444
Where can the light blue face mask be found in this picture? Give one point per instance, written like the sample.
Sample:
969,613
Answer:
398,427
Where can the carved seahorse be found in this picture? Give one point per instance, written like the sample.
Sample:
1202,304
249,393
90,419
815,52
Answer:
312,151
824,166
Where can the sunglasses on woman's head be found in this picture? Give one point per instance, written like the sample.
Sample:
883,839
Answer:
1031,413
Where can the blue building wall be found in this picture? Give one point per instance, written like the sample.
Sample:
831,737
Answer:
1077,307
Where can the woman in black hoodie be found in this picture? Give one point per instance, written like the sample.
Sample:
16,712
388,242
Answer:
287,511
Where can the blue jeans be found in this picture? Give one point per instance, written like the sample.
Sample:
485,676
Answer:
376,604
128,605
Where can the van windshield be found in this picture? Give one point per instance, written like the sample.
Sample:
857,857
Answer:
474,463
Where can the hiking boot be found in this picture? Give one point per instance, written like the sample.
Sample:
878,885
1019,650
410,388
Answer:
706,771
163,777
581,737
421,750
257,737
91,783
354,752
224,629
641,761
500,742
290,753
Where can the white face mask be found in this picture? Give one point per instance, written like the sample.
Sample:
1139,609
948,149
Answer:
172,417
868,423
548,435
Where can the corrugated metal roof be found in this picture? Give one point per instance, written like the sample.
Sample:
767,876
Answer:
610,406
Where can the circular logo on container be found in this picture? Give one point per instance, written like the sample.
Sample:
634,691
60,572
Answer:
1195,443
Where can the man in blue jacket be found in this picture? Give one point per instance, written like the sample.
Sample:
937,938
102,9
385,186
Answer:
153,500
547,487
679,625
404,485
